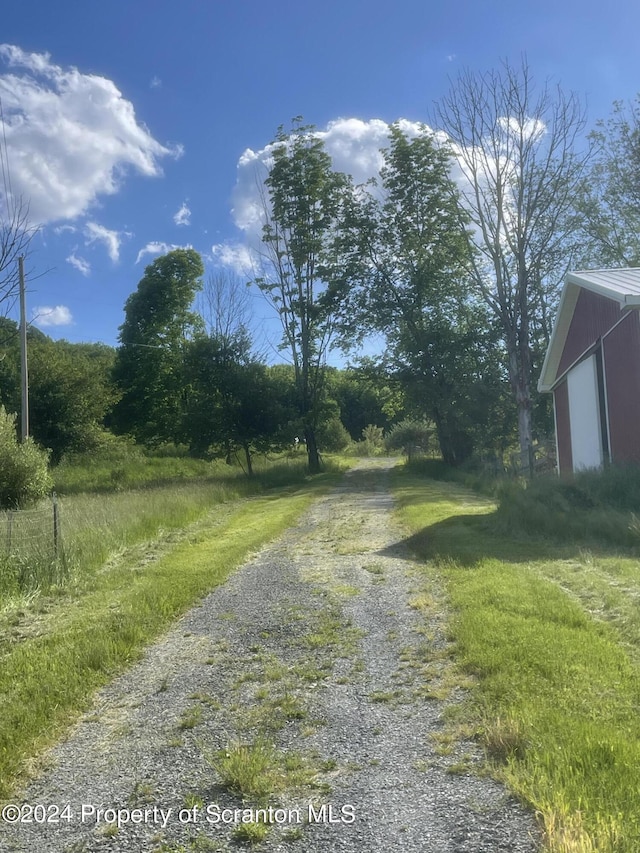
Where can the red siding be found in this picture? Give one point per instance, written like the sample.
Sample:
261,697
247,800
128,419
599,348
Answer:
563,428
621,349
593,316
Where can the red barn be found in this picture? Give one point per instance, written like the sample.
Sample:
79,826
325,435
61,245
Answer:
592,367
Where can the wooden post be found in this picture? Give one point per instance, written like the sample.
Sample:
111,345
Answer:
24,372
56,526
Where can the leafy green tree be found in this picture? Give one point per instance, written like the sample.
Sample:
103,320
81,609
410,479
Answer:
70,394
235,404
406,275
10,388
305,198
70,388
411,437
609,202
364,396
149,368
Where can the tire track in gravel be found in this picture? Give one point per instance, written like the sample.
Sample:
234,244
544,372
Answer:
313,646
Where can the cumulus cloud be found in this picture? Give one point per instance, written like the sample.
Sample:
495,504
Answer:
531,129
240,257
71,137
111,239
44,315
79,263
183,216
156,247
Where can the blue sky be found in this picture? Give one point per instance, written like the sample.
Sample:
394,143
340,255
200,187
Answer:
136,126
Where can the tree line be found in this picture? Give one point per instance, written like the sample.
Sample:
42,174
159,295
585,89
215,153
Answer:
454,254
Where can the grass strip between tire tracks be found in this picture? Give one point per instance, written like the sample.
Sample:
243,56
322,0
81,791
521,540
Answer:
46,680
557,691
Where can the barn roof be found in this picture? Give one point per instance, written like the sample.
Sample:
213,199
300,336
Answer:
621,285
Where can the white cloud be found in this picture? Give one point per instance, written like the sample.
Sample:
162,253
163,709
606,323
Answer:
47,316
183,216
111,239
531,129
156,247
238,256
79,263
71,137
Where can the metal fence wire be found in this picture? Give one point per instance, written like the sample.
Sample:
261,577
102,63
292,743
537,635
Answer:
31,532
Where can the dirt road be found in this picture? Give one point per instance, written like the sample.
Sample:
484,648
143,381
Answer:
304,686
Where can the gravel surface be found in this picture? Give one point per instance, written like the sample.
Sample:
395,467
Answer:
318,650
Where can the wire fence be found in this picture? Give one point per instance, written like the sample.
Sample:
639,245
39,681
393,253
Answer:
26,533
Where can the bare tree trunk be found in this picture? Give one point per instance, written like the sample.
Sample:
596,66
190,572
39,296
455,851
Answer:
521,385
247,456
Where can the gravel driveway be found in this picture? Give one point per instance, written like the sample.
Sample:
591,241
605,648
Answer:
315,655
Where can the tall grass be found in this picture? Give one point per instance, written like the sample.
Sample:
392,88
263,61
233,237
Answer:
128,466
548,631
102,515
590,507
48,675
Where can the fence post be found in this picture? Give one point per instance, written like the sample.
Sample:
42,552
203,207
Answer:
56,526
9,530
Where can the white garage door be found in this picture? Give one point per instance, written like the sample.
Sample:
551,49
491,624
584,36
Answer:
584,415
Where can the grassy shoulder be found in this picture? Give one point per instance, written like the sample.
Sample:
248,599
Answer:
49,673
550,635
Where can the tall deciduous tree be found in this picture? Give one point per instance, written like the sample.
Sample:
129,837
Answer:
149,363
406,276
71,393
516,146
610,201
304,198
234,403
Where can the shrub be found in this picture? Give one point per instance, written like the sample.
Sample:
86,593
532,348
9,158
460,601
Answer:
373,440
411,437
24,475
332,436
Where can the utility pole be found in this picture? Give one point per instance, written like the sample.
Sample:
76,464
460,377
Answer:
24,373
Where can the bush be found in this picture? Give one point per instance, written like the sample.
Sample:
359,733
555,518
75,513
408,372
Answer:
24,475
411,437
332,437
373,440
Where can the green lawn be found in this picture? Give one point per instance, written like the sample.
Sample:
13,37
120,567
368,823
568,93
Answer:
551,637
